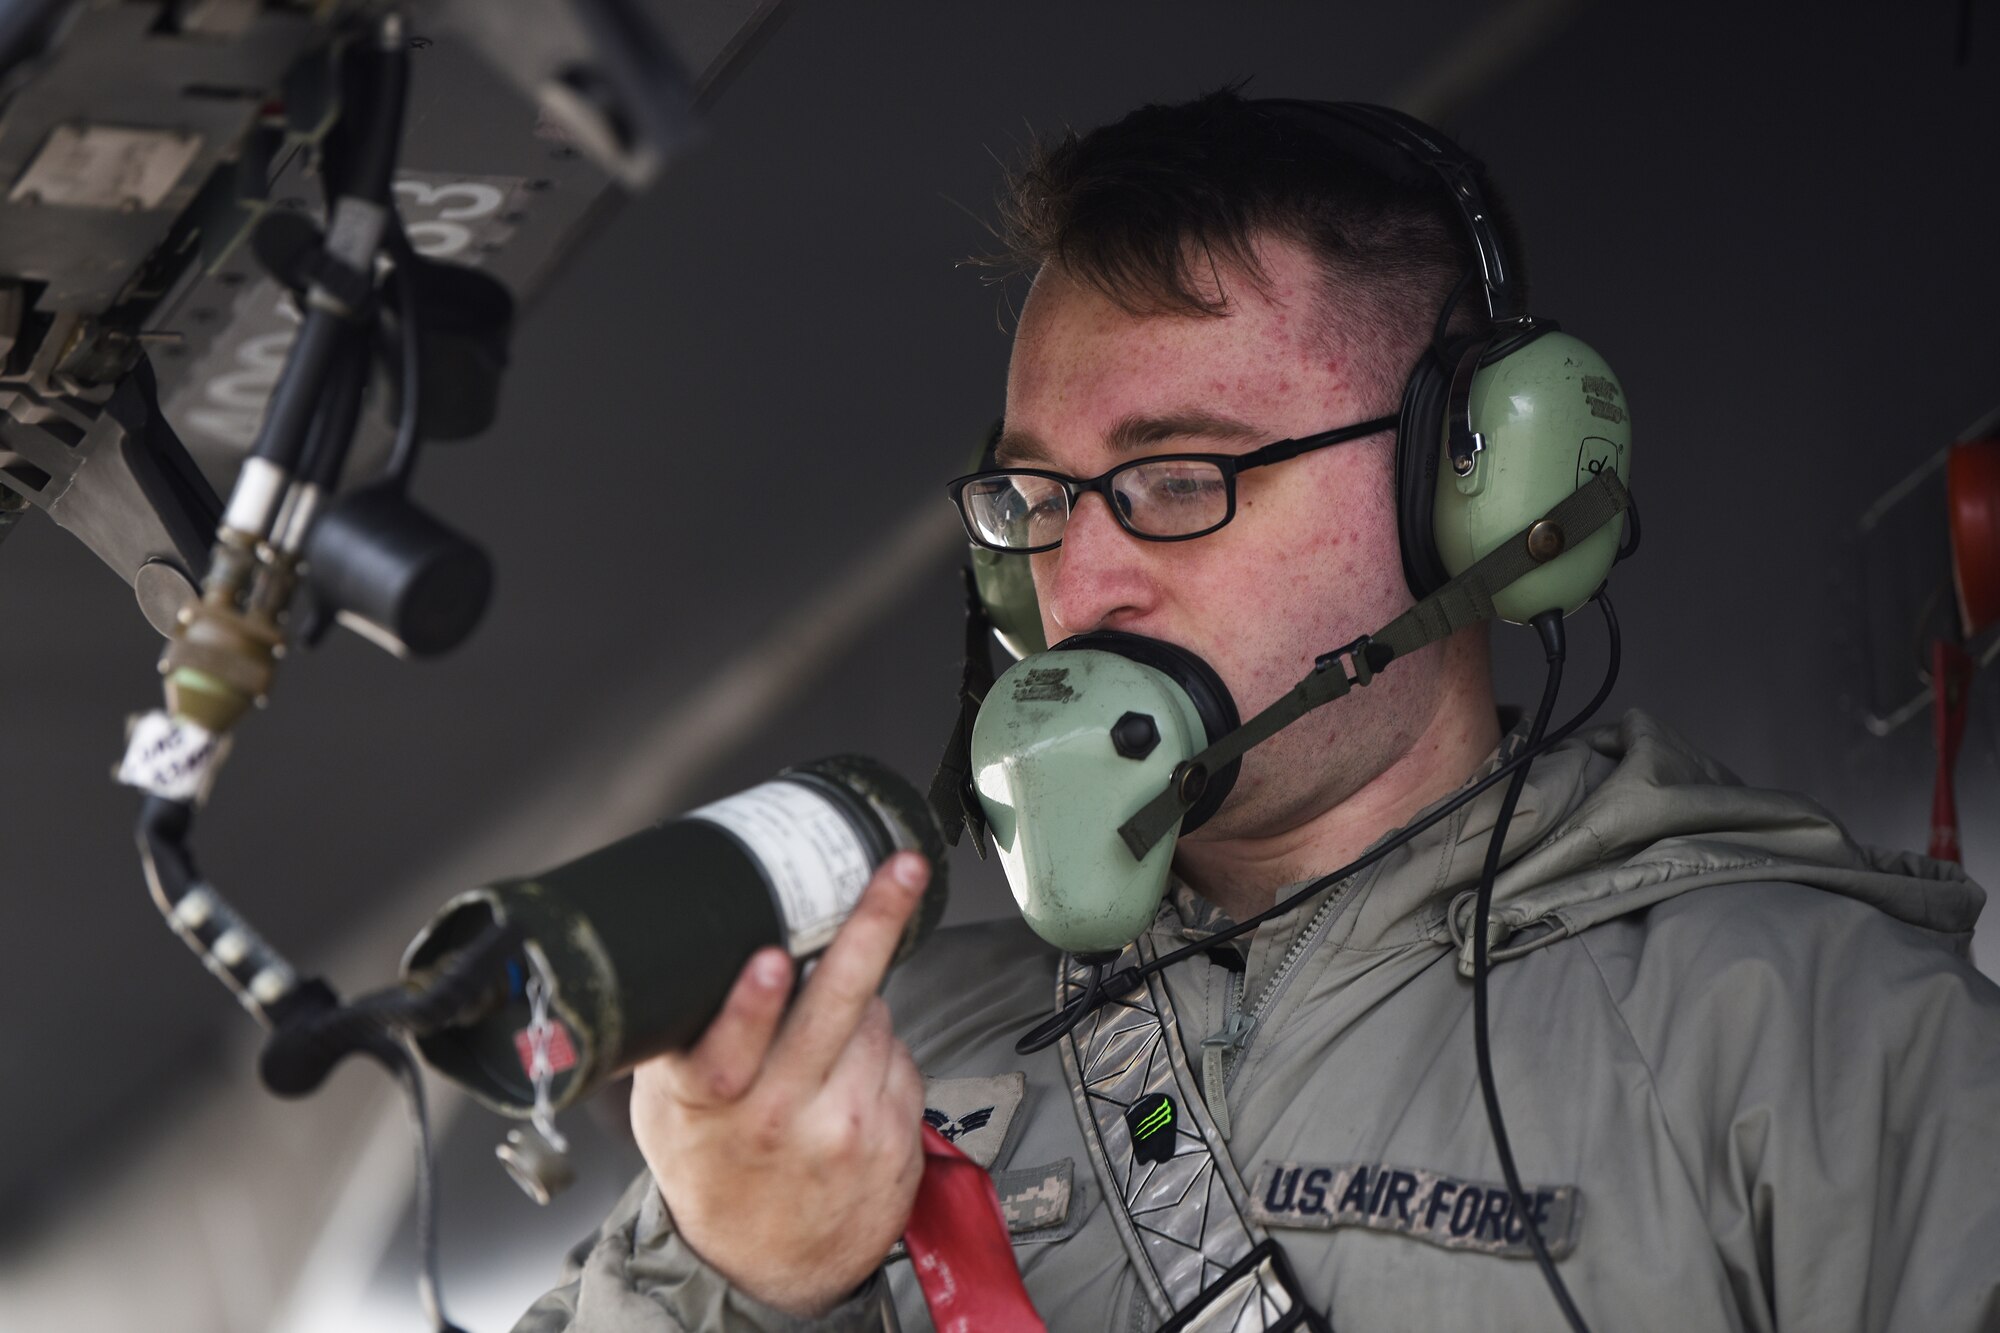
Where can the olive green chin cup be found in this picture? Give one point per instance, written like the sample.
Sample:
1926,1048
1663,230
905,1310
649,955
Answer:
1055,786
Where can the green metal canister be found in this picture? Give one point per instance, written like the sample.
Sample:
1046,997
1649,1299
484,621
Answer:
633,947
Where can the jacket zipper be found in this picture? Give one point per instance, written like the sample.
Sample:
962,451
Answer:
1300,945
1220,1047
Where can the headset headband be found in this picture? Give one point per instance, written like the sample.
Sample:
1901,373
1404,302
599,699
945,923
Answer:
1422,159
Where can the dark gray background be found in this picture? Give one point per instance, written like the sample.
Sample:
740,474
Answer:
1777,223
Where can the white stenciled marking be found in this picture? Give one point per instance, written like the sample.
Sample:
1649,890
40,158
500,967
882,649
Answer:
813,857
446,232
443,217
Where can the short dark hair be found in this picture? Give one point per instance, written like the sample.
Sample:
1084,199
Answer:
1143,208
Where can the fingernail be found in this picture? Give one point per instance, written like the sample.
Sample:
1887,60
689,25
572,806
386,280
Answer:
769,970
909,870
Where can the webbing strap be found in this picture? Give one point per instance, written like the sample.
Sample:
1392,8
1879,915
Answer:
1468,599
952,799
1465,601
959,1250
1184,1221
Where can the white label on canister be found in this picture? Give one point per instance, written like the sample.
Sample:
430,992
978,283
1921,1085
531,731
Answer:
813,857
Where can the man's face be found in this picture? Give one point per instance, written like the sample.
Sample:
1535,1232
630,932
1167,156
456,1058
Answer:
1309,562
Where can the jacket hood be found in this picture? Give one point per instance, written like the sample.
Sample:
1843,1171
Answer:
1623,816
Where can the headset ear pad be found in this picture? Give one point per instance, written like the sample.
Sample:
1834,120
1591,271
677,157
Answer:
1420,435
1006,587
1004,583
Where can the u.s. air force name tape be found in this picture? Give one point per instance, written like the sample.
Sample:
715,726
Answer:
171,757
1429,1205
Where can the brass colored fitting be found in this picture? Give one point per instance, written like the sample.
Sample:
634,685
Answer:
223,656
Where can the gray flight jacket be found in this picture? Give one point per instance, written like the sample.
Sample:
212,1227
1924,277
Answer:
1750,1078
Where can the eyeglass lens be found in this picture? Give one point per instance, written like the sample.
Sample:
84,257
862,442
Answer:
1170,498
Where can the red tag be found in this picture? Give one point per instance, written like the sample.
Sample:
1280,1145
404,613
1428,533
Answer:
957,1238
562,1055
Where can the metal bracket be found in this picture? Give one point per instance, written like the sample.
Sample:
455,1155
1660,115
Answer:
146,511
1462,442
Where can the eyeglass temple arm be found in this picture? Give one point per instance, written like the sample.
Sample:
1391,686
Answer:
1284,449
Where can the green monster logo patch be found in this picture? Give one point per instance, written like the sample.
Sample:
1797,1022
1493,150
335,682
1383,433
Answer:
1151,1120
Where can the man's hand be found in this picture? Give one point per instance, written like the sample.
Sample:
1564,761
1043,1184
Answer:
790,1165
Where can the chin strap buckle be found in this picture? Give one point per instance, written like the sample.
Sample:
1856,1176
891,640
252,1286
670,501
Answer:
1367,656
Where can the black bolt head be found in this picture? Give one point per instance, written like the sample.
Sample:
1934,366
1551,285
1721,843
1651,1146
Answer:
1134,735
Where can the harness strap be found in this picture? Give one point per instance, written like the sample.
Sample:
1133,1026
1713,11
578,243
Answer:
1465,601
1183,1215
953,801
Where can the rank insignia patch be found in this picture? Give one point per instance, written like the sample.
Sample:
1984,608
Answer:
952,1130
974,1114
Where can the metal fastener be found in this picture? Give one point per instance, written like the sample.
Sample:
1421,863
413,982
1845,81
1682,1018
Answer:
1135,735
1545,541
537,1166
1191,782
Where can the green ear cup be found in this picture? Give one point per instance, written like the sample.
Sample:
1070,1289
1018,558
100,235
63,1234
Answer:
1005,584
1552,414
1007,588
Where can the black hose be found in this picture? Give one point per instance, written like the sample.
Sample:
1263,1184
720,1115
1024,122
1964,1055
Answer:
385,71
332,430
162,837
313,1031
295,399
361,168
303,1051
1095,992
397,1059
409,360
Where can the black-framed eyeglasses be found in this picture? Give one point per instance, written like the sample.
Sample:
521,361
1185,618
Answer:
1158,498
